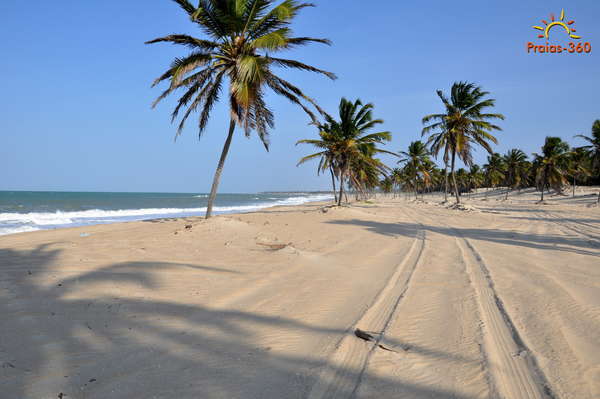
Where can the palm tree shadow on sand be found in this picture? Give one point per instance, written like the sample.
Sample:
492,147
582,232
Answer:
65,338
529,240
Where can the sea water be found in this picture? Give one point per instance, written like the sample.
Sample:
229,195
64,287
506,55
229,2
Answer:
22,211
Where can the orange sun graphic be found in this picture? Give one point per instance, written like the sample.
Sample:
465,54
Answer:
565,25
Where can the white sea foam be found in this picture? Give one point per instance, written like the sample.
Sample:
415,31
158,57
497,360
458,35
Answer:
18,229
11,223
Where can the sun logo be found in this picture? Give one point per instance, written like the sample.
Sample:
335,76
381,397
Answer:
560,23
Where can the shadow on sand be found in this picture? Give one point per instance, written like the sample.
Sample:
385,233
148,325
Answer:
538,241
64,337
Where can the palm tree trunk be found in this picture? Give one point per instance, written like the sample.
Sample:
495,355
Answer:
574,183
446,182
454,177
543,186
341,188
217,178
416,190
333,184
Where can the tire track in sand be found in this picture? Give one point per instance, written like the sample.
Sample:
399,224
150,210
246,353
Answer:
342,376
513,367
565,225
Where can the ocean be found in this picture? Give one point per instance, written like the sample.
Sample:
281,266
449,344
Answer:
22,211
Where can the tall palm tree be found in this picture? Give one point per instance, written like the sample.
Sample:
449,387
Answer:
579,165
514,161
552,164
327,157
386,185
464,122
397,176
240,38
462,179
364,172
351,139
417,163
494,170
593,149
475,177
527,175
437,142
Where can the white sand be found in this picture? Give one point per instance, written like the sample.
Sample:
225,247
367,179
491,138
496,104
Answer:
499,300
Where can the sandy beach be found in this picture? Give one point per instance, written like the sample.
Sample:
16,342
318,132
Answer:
502,301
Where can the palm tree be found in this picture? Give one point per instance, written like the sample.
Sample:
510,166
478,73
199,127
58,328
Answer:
514,161
327,157
417,163
494,170
438,141
527,176
351,140
593,149
397,177
386,185
475,177
462,179
552,164
578,165
240,38
464,122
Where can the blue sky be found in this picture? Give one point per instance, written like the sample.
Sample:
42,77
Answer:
75,98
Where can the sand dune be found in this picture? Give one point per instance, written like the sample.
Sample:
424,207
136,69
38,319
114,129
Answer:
499,300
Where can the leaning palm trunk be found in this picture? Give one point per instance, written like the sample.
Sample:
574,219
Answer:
341,188
217,178
543,186
333,184
454,177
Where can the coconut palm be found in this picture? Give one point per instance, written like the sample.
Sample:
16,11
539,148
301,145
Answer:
494,170
327,157
475,178
579,165
552,165
437,142
462,180
593,149
386,185
465,122
351,140
364,173
514,162
397,176
417,163
240,38
527,176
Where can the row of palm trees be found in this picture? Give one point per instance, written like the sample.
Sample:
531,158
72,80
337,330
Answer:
556,166
347,150
237,50
347,147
